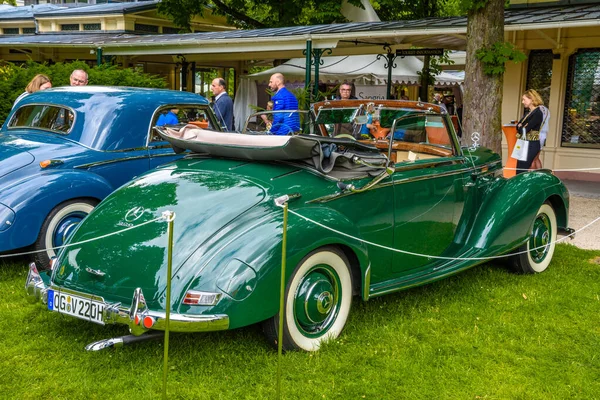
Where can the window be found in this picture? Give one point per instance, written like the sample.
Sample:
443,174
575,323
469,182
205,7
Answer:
180,115
69,27
581,119
539,73
420,137
11,31
28,31
146,28
170,30
91,27
47,117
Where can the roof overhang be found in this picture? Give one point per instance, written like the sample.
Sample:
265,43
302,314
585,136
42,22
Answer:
289,42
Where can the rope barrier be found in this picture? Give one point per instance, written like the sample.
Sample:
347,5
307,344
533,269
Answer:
163,217
553,170
410,253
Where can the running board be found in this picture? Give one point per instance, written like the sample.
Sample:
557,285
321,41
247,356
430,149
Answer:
122,340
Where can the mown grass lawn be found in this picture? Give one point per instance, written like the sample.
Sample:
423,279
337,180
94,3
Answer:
483,334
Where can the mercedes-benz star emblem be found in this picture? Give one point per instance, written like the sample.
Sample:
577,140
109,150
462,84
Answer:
134,214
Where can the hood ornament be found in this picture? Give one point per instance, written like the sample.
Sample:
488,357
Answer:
475,138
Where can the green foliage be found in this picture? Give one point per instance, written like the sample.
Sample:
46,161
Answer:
467,6
257,13
14,78
495,57
391,10
11,2
435,66
483,334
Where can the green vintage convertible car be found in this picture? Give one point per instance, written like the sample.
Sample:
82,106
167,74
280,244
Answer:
390,203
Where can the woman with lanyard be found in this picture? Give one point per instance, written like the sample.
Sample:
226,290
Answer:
533,127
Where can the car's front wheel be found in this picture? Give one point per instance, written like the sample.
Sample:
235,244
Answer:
58,226
317,301
537,253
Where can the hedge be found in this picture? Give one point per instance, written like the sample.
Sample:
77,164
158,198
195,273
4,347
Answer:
14,78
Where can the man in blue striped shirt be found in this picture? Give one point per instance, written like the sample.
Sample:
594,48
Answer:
284,123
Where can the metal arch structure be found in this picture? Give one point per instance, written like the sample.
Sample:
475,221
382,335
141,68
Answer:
390,65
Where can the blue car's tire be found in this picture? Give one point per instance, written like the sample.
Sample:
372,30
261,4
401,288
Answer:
537,253
317,301
58,226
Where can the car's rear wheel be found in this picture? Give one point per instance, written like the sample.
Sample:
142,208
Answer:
539,249
58,226
317,301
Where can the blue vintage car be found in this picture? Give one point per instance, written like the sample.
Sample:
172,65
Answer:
63,150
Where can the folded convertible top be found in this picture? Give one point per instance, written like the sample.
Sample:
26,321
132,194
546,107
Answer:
323,153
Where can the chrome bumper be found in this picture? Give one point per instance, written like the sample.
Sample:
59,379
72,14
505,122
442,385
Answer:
138,317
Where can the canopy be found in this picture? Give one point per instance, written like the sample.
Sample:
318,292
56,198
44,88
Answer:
365,69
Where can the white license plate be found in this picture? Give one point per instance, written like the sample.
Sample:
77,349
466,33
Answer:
79,307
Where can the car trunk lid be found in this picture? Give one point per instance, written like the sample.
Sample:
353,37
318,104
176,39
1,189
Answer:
205,204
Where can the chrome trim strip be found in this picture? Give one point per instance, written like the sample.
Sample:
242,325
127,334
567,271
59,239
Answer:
339,195
106,162
367,283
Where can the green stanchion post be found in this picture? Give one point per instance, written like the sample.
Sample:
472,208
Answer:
281,299
170,217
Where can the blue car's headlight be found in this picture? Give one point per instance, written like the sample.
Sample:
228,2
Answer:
7,217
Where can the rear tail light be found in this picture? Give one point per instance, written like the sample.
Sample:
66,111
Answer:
195,298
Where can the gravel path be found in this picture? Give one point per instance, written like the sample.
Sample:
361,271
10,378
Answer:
584,210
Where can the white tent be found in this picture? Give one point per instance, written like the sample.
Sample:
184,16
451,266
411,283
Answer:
366,69
361,70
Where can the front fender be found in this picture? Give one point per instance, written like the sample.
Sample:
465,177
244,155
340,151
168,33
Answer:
32,200
247,270
509,208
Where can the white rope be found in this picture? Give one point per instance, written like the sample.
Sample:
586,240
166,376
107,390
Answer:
430,256
163,217
553,170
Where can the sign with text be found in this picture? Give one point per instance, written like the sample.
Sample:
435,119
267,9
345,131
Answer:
371,92
420,52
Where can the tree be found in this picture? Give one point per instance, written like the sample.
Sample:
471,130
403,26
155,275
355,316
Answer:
487,53
482,100
392,10
257,13
10,2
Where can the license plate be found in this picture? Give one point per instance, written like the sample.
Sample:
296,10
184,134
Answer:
76,306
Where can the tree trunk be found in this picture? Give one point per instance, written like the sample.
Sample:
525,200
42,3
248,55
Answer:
482,103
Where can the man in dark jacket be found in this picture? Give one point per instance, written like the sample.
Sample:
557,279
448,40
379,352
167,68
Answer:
223,105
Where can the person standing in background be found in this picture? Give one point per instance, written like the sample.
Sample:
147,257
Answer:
534,128
283,99
78,78
346,92
39,82
223,105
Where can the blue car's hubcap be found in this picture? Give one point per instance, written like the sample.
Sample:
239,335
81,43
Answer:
65,227
539,243
317,301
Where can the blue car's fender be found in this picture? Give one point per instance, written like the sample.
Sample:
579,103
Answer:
53,188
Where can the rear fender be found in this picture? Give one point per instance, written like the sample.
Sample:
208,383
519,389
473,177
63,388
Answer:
509,208
248,275
33,199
